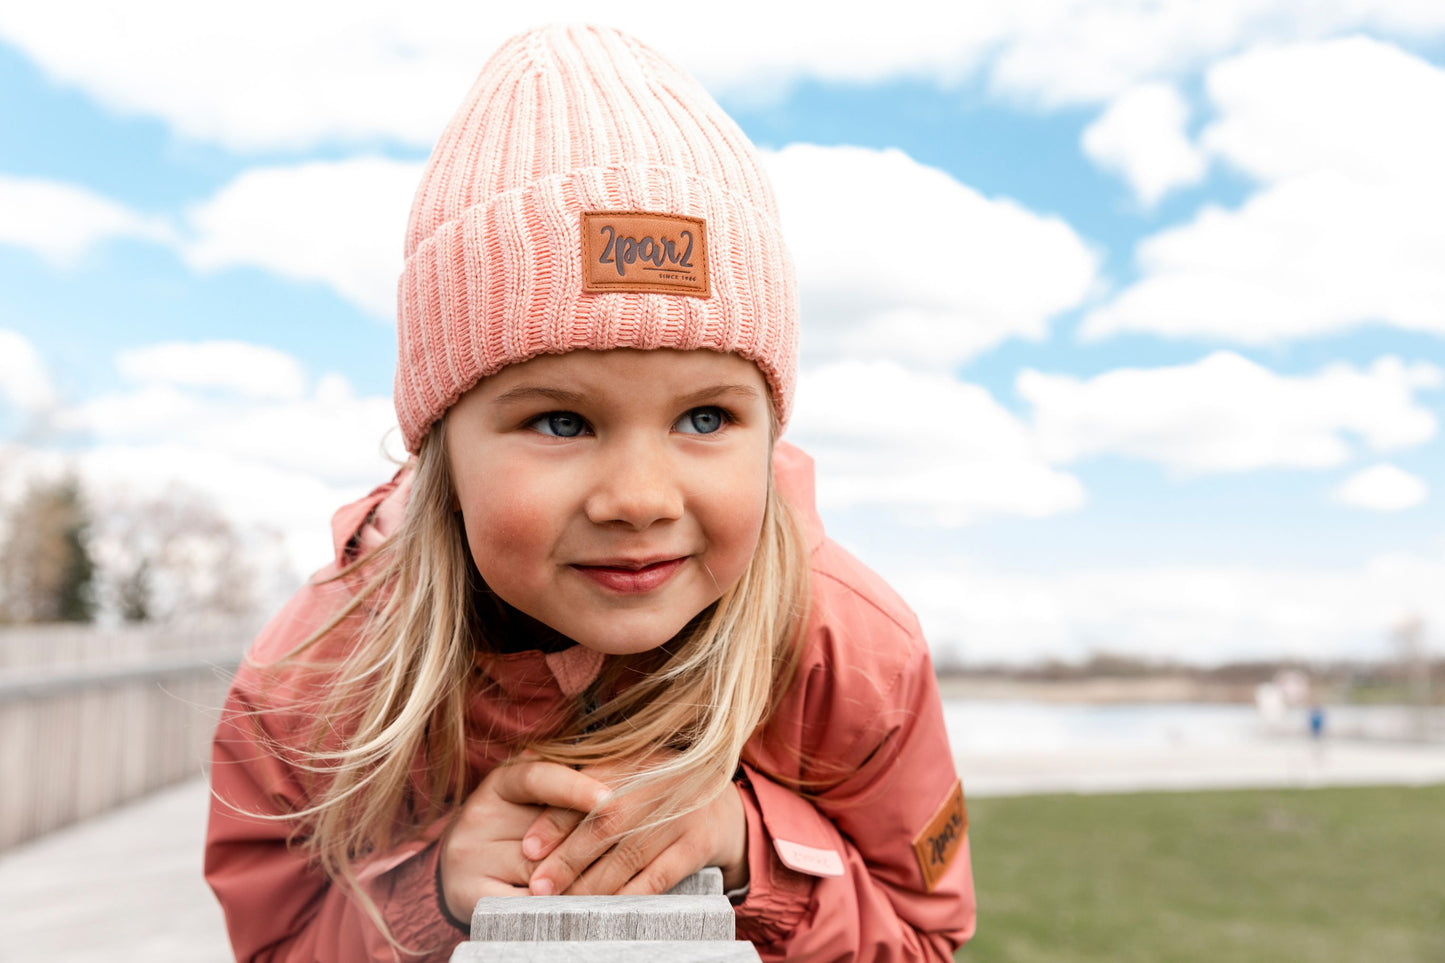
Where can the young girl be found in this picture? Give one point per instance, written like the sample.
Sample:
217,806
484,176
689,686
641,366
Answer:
592,637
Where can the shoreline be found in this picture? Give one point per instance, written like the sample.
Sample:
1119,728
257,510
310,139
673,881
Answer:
1100,690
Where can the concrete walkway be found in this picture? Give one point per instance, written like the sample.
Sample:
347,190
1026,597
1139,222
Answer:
127,886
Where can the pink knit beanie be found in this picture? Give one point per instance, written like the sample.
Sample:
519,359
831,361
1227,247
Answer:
588,194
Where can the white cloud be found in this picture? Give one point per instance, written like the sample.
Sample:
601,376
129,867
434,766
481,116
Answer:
1200,614
1349,225
24,380
60,222
152,408
252,493
330,434
340,223
355,71
898,260
251,370
1078,51
1226,413
1356,106
362,71
1142,136
1382,488
280,458
922,447
283,458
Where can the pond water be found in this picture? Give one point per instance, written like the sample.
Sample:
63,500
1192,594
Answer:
990,726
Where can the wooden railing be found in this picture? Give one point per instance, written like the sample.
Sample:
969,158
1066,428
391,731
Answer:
91,718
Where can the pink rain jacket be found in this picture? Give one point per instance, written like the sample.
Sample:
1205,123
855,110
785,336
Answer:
874,868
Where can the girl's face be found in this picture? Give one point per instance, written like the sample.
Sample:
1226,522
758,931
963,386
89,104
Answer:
613,495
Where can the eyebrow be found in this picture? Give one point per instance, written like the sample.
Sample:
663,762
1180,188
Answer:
712,392
561,396
530,392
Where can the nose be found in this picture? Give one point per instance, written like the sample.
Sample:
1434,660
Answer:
637,485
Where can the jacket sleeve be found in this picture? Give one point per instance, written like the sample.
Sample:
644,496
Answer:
279,905
876,866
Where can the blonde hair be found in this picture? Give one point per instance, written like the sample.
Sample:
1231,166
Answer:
394,697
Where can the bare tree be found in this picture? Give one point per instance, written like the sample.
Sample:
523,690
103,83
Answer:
172,557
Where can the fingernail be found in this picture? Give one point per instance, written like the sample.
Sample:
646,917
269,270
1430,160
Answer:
532,847
541,887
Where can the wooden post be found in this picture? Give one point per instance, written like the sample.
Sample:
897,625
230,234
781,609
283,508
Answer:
693,922
608,951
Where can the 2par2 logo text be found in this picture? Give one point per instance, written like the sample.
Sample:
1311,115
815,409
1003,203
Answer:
662,253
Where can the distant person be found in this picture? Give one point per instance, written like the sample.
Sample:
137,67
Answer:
1317,722
591,638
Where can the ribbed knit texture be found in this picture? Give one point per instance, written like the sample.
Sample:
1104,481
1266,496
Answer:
564,120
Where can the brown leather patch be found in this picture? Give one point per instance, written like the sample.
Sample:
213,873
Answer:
938,843
644,252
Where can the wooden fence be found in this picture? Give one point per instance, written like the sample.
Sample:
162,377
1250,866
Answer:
93,718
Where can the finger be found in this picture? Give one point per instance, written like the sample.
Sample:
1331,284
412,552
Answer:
508,864
658,861
550,827
672,866
492,887
592,837
549,784
482,820
496,869
611,870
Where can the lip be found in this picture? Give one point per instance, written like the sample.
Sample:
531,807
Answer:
630,576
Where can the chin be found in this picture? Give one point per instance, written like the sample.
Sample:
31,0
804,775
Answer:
624,645
631,638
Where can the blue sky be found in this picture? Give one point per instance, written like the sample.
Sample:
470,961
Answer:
1158,370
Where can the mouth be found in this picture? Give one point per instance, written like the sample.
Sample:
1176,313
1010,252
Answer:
630,576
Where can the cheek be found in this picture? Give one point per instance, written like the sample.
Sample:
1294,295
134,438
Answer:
506,518
737,524
504,522
498,538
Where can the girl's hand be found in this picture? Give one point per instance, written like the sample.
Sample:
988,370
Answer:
576,855
481,851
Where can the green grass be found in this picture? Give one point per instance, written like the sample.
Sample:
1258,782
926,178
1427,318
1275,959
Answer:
1226,877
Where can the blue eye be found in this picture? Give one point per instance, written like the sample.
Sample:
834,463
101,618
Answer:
702,421
560,424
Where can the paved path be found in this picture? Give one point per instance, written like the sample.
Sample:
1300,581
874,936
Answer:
123,888
127,886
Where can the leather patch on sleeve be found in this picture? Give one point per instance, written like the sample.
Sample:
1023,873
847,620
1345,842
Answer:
644,252
938,843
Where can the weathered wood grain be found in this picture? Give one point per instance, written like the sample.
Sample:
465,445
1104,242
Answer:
707,881
513,918
608,951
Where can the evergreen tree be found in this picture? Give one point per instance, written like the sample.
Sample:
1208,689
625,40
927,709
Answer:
46,570
75,595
